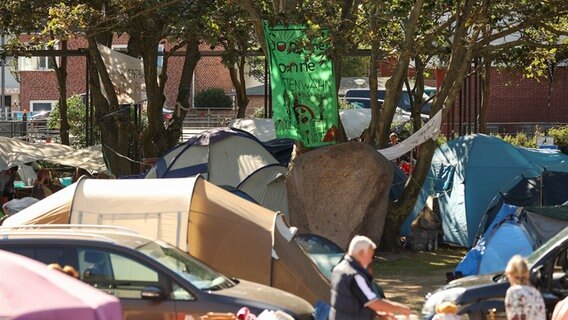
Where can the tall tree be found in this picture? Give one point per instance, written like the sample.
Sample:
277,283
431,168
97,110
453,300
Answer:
236,37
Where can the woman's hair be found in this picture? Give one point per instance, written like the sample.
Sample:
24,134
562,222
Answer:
43,176
517,270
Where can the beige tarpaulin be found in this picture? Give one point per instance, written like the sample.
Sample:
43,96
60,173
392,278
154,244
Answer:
233,235
14,152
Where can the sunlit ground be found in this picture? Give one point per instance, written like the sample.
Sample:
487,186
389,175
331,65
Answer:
408,276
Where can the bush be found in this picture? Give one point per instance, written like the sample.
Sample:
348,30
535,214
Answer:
519,140
560,135
213,98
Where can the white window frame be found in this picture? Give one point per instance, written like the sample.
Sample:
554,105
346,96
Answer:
33,63
32,102
122,48
162,50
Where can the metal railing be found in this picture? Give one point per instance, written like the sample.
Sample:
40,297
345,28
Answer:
32,131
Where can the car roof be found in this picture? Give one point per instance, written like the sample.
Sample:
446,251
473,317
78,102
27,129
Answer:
107,234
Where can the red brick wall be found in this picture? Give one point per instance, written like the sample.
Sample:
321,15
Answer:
514,99
42,85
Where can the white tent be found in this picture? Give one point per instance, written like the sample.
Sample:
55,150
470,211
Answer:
14,152
267,185
227,157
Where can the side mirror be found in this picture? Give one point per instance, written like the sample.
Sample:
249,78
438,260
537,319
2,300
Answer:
536,276
153,293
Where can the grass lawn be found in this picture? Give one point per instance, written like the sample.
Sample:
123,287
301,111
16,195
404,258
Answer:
408,276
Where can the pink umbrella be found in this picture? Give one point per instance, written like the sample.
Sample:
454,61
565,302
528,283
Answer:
30,291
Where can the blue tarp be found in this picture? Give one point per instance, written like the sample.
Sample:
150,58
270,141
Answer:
468,172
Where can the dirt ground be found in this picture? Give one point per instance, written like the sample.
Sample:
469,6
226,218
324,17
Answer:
408,276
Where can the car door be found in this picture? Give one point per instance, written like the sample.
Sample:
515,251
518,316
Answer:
127,278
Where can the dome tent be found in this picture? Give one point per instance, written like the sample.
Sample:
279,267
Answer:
467,173
227,157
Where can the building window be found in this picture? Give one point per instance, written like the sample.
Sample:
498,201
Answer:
161,56
35,64
39,106
38,63
122,48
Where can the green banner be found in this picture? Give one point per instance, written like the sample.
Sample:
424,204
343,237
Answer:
304,97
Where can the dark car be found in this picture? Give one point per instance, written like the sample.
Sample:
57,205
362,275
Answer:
153,280
476,296
324,253
361,97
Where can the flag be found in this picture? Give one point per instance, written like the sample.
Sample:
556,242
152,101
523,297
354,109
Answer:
304,96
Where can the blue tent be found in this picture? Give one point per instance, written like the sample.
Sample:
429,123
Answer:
468,172
515,230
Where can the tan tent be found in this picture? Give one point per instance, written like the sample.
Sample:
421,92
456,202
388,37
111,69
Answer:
235,236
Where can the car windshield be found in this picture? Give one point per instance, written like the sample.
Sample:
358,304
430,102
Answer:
313,244
534,257
193,270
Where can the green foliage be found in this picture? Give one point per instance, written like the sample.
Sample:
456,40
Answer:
560,135
355,66
520,139
76,115
212,98
258,112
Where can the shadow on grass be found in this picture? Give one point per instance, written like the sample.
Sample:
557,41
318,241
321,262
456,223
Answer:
408,276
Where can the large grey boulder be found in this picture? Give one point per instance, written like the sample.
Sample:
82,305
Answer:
340,191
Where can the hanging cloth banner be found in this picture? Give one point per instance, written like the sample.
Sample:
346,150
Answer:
304,97
126,74
430,130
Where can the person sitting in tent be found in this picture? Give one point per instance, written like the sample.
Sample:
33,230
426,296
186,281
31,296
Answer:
7,178
44,186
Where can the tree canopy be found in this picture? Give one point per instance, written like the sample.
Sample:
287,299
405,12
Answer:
529,35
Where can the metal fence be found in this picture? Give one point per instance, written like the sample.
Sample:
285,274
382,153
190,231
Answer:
32,131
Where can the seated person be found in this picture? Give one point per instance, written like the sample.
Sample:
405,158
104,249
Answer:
44,185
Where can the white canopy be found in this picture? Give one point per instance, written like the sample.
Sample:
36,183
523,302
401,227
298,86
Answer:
14,152
354,122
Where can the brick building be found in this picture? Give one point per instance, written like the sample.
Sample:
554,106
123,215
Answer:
515,103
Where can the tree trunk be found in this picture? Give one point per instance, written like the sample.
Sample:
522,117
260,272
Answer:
61,75
237,74
154,142
394,84
485,92
116,129
376,57
461,54
191,58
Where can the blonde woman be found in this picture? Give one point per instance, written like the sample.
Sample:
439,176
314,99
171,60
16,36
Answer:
523,301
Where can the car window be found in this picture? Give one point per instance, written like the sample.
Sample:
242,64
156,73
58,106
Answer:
115,274
47,255
191,269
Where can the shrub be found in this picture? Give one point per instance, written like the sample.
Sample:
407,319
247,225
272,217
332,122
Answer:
520,140
212,98
560,135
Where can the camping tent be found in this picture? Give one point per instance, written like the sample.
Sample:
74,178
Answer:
515,230
467,172
548,189
233,235
15,152
226,157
